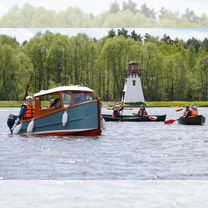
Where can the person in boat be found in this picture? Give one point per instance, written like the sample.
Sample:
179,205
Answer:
26,112
187,112
55,103
51,102
116,111
194,111
142,111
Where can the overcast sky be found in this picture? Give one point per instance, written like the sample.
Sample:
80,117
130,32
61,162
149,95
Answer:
181,33
98,6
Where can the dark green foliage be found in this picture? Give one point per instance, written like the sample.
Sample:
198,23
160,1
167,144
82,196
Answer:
171,69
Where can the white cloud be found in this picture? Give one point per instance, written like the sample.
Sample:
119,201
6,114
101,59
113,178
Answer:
181,33
3,10
20,34
97,7
198,6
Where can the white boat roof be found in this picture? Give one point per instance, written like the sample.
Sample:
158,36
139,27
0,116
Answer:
64,88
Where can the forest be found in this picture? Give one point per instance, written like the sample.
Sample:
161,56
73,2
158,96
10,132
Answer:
172,69
129,14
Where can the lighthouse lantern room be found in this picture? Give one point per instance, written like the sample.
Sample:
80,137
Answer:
133,92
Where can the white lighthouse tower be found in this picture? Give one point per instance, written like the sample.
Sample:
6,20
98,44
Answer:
133,92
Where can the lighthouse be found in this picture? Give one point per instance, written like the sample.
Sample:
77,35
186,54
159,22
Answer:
133,92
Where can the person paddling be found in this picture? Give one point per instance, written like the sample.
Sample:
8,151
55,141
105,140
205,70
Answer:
116,111
194,111
142,111
187,112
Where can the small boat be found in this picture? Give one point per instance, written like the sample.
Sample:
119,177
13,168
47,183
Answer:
199,120
77,115
134,118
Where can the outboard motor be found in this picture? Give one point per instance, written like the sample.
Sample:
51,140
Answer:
11,120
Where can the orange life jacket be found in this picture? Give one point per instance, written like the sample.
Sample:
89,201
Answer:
29,113
194,113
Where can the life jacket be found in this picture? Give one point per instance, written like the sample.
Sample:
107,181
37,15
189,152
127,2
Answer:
194,113
187,114
29,113
142,113
116,114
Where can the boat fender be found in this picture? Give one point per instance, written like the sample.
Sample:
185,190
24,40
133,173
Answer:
64,118
30,126
17,129
103,125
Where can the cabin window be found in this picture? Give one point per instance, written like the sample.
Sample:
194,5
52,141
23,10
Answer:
67,100
50,101
134,82
82,97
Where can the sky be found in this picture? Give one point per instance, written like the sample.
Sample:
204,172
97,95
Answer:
99,6
181,33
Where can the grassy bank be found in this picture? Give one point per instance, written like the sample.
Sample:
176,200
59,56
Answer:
177,104
163,104
10,104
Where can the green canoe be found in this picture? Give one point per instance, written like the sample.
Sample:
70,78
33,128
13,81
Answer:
132,118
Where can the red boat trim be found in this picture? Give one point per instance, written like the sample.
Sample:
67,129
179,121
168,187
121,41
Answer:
94,132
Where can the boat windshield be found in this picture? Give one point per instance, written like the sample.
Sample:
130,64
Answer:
81,97
68,99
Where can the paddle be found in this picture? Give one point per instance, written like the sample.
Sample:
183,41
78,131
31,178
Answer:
121,109
178,110
171,121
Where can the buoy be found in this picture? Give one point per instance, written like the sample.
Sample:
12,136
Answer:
64,118
103,126
17,129
30,126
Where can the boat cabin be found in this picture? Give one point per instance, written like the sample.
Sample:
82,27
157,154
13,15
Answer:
56,99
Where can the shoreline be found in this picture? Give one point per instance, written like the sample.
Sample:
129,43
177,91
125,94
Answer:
173,104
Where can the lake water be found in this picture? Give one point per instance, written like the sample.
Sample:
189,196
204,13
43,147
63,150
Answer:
124,151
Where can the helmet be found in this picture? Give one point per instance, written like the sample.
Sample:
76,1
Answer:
194,107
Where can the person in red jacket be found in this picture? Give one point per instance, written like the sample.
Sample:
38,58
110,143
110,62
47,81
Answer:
187,112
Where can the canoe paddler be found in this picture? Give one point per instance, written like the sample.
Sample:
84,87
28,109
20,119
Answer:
116,111
194,111
187,112
142,111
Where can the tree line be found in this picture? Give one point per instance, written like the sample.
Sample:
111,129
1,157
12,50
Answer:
172,69
127,15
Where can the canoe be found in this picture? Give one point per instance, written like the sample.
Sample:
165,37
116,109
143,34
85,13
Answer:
132,118
199,120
